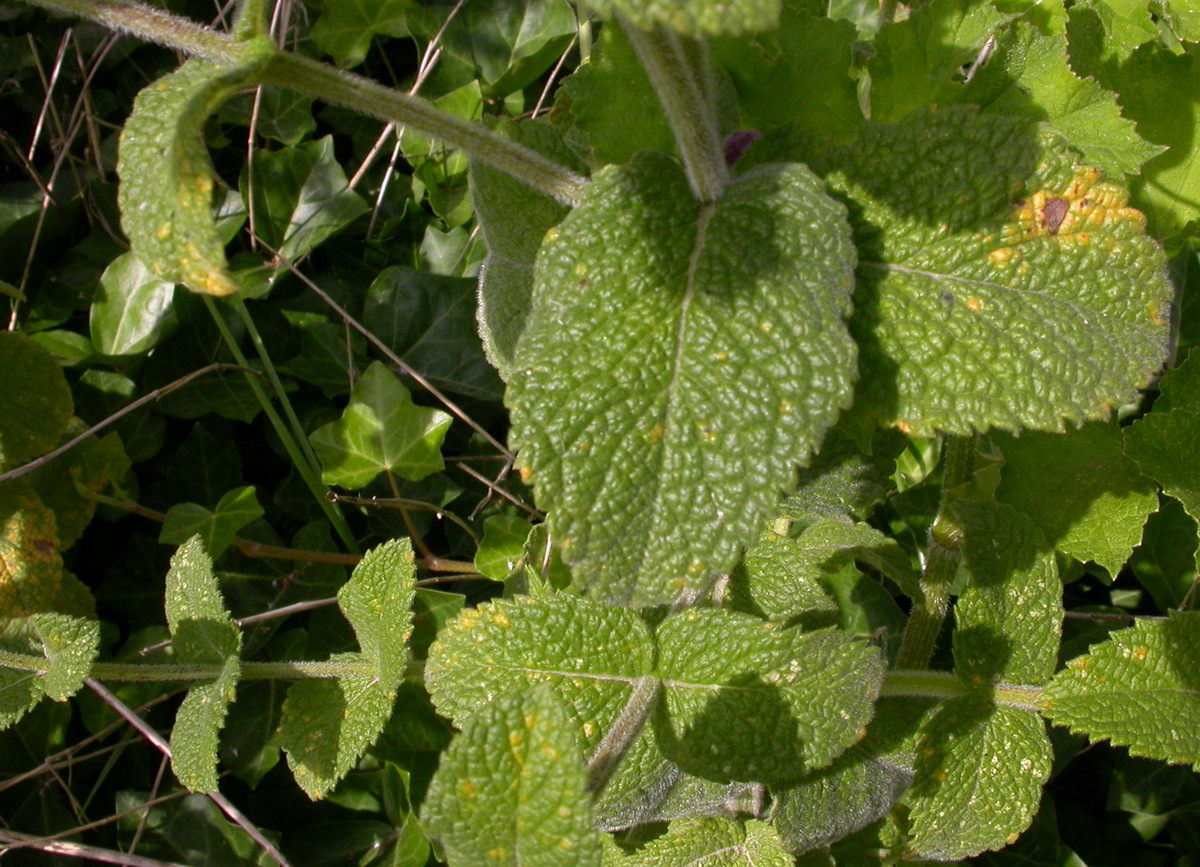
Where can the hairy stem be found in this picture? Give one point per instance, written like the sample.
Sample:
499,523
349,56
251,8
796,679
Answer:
680,74
122,672
942,686
321,81
626,727
941,562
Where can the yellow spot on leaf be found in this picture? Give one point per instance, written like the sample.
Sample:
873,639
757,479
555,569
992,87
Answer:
501,619
974,303
164,231
525,473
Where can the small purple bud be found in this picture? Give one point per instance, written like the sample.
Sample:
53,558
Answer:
738,142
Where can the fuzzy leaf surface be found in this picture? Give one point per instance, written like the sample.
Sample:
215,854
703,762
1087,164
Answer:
35,401
30,562
714,843
512,788
203,632
329,724
1009,617
166,186
1139,689
699,350
501,647
696,17
380,430
745,700
1101,500
513,217
979,776
1001,285
71,645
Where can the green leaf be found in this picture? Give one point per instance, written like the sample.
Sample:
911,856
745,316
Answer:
502,546
71,645
798,74
714,843
132,310
781,577
609,90
217,529
512,788
85,469
861,785
188,830
972,308
979,776
1101,500
299,197
33,416
346,27
1165,562
1158,90
843,481
1030,67
429,320
745,700
1166,445
917,60
514,218
505,44
380,431
501,647
696,17
166,186
30,562
663,356
1009,617
1151,666
203,633
329,724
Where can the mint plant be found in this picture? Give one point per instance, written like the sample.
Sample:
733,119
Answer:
832,374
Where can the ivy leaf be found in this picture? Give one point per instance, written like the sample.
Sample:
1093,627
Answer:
300,197
1001,284
1165,562
916,60
696,17
714,843
979,776
133,308
166,186
693,348
502,546
203,633
1101,500
512,788
1151,666
329,724
1009,617
501,648
380,431
346,27
1166,445
217,529
745,700
34,417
